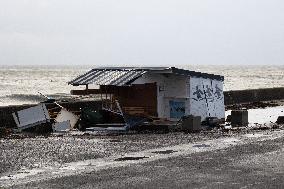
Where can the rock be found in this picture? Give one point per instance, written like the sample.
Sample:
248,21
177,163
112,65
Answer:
229,118
280,120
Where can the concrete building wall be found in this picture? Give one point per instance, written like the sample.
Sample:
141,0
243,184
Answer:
182,95
171,88
206,98
176,100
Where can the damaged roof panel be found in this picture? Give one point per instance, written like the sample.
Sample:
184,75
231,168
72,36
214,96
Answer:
120,76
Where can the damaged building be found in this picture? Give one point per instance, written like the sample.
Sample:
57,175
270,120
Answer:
163,92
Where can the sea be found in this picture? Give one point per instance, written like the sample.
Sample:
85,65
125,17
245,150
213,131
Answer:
23,84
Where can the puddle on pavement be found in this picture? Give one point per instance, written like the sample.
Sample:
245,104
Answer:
130,158
165,152
115,140
201,145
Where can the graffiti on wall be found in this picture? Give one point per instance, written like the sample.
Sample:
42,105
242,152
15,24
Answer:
206,98
207,92
198,94
218,92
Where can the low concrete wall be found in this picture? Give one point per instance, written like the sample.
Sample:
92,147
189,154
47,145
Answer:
7,120
253,95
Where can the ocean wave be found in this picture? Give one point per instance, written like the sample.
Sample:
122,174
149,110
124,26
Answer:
35,97
25,97
19,99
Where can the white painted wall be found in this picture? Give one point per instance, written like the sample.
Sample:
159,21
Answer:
170,87
202,97
175,90
206,98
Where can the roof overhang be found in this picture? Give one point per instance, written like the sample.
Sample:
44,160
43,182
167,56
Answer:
121,76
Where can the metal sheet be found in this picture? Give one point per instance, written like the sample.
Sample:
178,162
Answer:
32,116
108,77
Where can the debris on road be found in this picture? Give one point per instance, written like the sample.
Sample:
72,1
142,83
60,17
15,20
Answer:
39,118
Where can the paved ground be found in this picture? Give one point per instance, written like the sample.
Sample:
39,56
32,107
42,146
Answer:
254,163
38,152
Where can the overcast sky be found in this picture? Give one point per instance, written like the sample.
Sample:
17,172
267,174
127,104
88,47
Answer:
141,32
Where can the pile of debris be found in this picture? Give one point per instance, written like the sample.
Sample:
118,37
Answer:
39,119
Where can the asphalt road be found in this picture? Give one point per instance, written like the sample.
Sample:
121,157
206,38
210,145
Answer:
38,152
258,164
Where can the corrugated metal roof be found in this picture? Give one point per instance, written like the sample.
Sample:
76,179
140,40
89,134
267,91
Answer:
196,74
120,76
108,77
134,68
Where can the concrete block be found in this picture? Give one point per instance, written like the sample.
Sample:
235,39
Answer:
239,117
191,123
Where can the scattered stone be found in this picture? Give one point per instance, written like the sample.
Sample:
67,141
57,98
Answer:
275,126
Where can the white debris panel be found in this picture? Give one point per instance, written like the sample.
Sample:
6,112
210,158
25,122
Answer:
65,115
31,116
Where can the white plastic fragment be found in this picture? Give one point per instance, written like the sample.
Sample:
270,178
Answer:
65,115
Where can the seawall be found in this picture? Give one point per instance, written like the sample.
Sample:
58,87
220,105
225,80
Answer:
253,95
